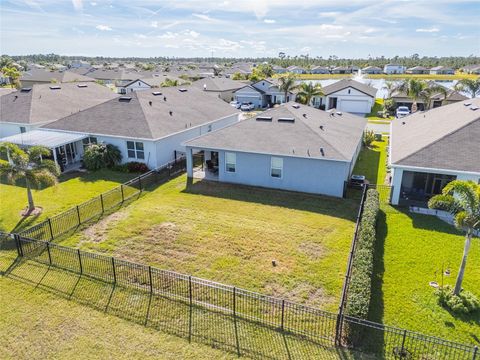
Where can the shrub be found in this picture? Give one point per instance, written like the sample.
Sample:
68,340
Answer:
111,155
135,166
368,137
465,303
389,105
359,292
99,156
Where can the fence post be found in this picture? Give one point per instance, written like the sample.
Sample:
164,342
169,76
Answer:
237,342
49,255
191,305
283,315
123,197
140,183
403,340
18,243
80,261
151,282
78,216
114,273
475,352
101,202
50,227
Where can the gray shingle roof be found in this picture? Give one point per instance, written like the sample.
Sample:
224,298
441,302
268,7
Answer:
41,75
42,104
345,83
446,137
218,84
339,135
138,119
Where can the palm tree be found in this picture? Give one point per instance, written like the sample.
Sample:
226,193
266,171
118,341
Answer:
430,92
169,82
287,84
30,166
390,87
308,91
413,88
462,200
470,86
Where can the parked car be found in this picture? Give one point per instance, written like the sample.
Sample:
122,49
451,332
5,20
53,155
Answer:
402,111
247,107
235,104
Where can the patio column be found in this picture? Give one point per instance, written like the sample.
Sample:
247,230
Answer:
189,156
397,184
54,150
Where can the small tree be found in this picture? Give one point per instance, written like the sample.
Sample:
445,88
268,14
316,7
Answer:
368,137
29,165
470,86
462,200
98,156
308,91
287,84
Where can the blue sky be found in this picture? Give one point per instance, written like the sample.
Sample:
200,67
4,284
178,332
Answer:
353,28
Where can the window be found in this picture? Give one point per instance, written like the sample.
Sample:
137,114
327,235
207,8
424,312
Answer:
277,167
88,141
22,129
230,162
135,150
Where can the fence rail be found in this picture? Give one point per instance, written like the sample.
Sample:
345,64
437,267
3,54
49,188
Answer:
70,219
282,315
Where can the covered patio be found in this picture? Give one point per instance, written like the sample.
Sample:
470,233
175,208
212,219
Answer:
66,148
204,164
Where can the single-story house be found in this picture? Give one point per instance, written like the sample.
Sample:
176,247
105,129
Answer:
341,70
471,69
263,93
319,70
29,108
278,69
291,147
296,70
442,70
432,148
417,70
42,76
371,70
221,87
146,126
393,69
347,95
135,85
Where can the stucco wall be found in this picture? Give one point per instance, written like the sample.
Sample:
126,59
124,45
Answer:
8,129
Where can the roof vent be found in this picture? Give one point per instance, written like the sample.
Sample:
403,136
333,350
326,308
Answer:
264,118
339,113
322,152
182,90
296,106
321,127
26,89
150,103
403,122
473,107
170,112
82,85
304,115
55,87
156,93
287,120
204,86
467,103
164,98
125,98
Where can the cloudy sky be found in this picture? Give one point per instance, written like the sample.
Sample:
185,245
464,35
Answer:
346,28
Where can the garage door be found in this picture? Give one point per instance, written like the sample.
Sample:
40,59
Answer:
355,106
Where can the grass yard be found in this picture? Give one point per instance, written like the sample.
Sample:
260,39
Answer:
71,190
372,162
378,106
231,234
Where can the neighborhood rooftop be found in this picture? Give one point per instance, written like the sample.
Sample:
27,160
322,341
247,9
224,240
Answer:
291,130
148,114
447,138
41,75
218,84
345,83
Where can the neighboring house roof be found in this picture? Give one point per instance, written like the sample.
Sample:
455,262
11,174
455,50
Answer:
371,68
218,84
345,83
306,133
436,68
144,115
442,138
417,68
452,95
5,91
42,104
41,75
252,88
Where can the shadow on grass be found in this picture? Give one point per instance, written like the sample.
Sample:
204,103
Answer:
368,163
174,316
320,204
429,222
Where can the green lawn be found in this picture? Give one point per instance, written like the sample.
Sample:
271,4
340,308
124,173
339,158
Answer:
231,234
378,106
372,162
71,190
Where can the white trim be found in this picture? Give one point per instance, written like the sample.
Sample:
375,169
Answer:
234,162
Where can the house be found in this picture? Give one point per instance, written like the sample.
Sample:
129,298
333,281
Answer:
371,70
319,70
393,69
341,70
471,69
401,98
146,126
291,147
223,88
29,108
347,95
296,70
263,93
41,76
442,70
278,69
416,70
135,85
75,64
430,149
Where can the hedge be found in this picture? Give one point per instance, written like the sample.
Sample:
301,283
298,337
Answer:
360,287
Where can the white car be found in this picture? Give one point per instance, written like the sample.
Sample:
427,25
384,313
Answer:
402,111
235,104
247,107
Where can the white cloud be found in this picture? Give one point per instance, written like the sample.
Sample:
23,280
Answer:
269,21
329,14
77,5
93,3
305,49
103,28
154,24
430,30
204,17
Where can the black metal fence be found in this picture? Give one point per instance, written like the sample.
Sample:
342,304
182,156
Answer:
385,192
285,316
70,219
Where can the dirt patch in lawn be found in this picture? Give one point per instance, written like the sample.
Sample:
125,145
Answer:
303,293
166,232
312,250
98,232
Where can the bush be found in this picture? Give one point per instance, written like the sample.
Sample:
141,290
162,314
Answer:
390,105
98,156
368,137
132,167
359,292
465,303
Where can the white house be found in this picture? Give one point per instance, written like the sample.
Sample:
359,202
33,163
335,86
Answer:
290,147
221,87
263,93
393,69
430,149
319,70
146,126
371,70
29,108
296,70
135,85
347,95
442,70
